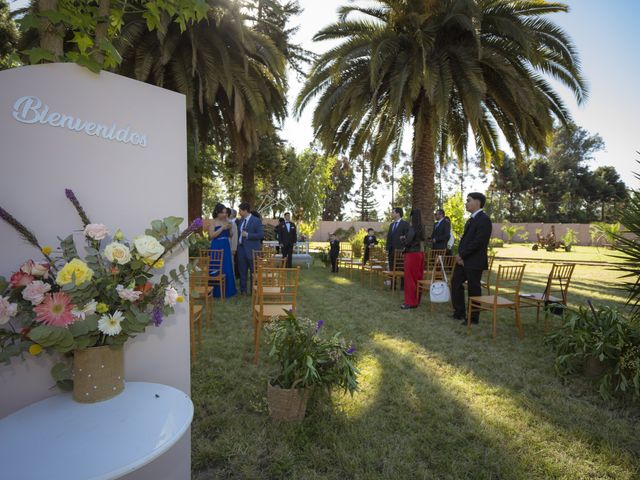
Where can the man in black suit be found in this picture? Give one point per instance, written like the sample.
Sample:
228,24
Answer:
369,241
395,237
334,252
472,257
441,231
288,238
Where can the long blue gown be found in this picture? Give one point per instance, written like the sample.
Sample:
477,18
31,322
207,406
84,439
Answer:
221,242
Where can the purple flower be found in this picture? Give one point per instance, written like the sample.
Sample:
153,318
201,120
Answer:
319,325
197,224
351,349
70,195
156,315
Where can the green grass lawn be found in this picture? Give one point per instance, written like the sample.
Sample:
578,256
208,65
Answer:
435,401
577,253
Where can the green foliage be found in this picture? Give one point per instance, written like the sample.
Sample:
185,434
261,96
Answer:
337,194
602,334
455,209
197,242
307,229
305,184
524,236
628,244
495,242
570,238
607,232
357,243
511,230
306,358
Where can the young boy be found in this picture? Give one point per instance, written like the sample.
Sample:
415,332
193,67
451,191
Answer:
369,241
334,251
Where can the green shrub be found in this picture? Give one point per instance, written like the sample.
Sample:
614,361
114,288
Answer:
510,231
524,236
197,242
602,334
570,238
357,243
495,242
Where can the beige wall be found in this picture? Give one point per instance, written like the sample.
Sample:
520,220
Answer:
582,230
119,184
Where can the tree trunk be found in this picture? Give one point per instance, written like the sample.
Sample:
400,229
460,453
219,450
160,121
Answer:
102,26
248,192
423,192
194,199
50,36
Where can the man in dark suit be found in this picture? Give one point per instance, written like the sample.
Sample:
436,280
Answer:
288,238
250,234
441,231
334,252
369,241
472,257
396,234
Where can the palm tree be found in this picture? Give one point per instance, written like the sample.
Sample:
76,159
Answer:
452,69
232,77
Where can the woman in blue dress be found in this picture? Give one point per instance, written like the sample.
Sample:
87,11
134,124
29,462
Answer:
220,231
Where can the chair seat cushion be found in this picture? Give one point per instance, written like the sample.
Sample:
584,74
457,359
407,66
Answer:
273,310
539,297
491,299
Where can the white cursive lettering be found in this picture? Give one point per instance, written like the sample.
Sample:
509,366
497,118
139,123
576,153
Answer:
30,109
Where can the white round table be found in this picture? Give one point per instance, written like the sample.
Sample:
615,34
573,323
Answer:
59,438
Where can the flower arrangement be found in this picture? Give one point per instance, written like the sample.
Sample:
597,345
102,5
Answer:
306,358
65,301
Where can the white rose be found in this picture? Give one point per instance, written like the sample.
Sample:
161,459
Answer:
170,296
117,253
128,293
7,310
148,247
96,231
35,291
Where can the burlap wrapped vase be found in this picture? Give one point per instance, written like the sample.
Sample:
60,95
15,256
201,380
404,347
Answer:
98,373
287,404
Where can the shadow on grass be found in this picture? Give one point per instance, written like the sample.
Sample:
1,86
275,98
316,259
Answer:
436,402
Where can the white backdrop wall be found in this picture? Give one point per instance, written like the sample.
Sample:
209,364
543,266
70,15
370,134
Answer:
124,175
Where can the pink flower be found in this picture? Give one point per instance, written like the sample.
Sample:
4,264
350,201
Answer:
96,231
7,310
128,293
34,292
55,310
34,268
20,279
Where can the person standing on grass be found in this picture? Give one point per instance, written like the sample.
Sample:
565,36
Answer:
288,238
250,234
441,231
472,257
413,260
369,241
334,252
395,237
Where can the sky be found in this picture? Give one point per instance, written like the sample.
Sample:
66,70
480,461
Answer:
605,34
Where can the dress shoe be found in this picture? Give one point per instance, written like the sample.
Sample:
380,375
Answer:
474,322
407,307
458,317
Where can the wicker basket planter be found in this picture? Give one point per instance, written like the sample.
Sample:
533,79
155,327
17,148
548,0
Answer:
98,374
287,404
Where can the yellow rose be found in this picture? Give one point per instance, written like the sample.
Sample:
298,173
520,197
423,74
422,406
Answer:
102,308
154,263
35,349
117,253
76,266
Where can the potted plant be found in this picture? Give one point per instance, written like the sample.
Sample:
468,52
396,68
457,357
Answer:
569,239
604,345
306,360
87,306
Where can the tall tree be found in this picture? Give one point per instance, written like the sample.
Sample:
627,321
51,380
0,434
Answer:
8,37
366,204
448,67
337,194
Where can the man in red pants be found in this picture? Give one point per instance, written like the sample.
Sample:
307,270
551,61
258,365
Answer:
413,260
